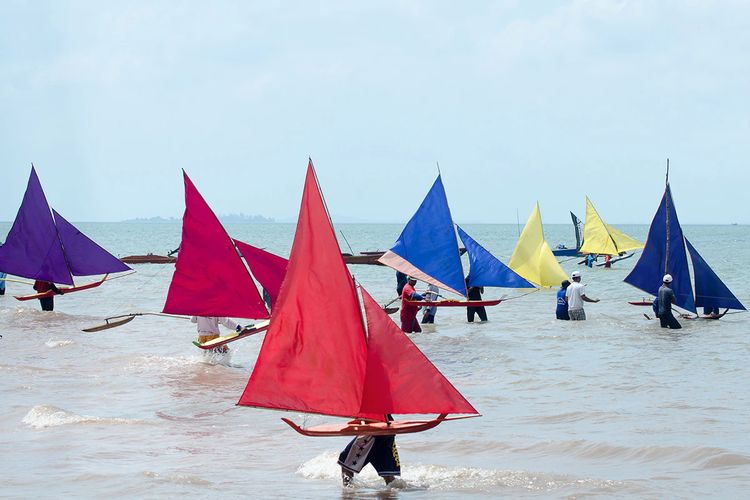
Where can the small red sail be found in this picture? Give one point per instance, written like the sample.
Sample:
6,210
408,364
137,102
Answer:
210,278
268,269
314,354
399,378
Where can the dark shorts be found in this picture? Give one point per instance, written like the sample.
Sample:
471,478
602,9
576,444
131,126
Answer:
380,451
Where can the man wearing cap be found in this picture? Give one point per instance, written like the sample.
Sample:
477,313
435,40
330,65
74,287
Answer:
409,322
666,298
576,295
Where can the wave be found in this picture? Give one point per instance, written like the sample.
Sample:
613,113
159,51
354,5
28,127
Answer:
417,476
58,343
42,416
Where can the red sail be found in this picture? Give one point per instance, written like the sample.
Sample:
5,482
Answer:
210,278
400,379
314,354
268,269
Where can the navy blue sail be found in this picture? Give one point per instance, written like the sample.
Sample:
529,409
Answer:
664,253
486,269
710,291
427,247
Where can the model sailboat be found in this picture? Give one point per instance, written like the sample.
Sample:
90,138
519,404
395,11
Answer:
427,249
532,258
210,278
666,252
602,239
42,245
320,355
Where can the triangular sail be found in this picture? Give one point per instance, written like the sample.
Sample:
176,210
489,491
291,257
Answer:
532,258
267,268
427,247
664,253
32,248
603,239
486,270
314,355
399,378
84,256
710,291
210,278
577,226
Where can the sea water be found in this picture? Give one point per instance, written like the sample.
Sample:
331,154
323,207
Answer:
612,407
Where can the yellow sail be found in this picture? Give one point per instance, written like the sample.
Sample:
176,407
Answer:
603,239
532,257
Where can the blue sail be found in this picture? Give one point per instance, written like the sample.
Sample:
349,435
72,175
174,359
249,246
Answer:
427,247
710,291
486,269
664,253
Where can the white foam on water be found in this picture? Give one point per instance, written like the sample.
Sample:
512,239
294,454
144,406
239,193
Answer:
178,479
418,476
58,343
42,416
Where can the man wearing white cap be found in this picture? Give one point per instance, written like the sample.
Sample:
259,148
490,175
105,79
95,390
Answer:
576,295
666,298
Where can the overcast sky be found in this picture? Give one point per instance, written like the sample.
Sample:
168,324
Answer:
518,101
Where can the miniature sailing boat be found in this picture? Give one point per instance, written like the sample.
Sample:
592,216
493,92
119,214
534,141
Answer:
602,239
561,250
532,258
486,270
319,356
666,252
42,245
210,278
427,249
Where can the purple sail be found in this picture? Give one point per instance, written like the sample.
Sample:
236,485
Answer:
84,256
32,248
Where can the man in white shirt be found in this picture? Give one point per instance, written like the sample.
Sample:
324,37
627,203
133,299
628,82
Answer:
576,295
208,327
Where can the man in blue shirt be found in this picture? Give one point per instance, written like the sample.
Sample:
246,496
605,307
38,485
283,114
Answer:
562,301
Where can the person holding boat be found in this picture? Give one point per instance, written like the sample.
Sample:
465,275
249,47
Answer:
665,298
409,322
475,293
562,301
576,296
47,303
429,312
208,329
380,451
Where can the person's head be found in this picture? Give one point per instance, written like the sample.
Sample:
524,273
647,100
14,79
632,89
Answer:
575,276
565,284
412,280
667,279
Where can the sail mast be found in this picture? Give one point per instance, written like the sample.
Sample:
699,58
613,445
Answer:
666,258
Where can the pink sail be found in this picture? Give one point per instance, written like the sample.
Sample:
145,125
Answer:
210,278
313,357
267,268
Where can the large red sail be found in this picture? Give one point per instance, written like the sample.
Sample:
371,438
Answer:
313,357
399,378
269,269
210,278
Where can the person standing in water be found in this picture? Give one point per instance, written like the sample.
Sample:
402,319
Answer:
47,303
409,323
380,451
2,282
576,296
475,293
665,299
562,302
430,311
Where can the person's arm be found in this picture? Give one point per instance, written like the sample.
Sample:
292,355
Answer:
586,299
229,323
55,289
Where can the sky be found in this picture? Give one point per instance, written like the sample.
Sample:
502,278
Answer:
517,102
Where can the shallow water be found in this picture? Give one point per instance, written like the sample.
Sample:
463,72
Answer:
610,407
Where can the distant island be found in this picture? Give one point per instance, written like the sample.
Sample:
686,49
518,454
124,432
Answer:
224,218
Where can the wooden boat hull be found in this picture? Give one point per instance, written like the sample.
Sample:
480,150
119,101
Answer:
565,252
71,289
367,428
640,302
371,257
457,303
226,339
148,259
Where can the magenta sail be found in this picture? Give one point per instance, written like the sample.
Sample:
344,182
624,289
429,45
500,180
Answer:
41,247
